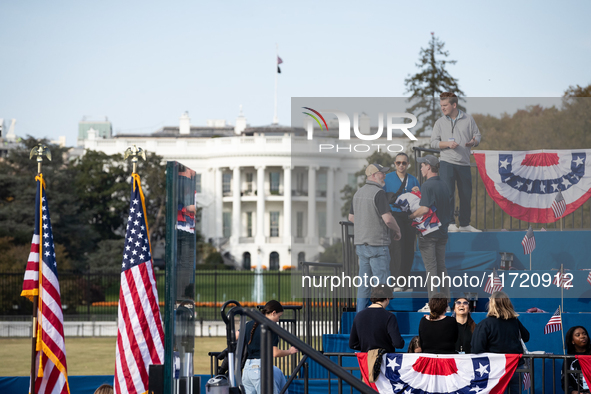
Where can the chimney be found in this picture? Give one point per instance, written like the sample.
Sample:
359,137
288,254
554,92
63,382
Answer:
240,123
185,124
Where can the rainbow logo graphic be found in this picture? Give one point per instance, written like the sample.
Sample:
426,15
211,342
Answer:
315,118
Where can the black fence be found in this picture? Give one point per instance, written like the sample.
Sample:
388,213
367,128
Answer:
96,296
487,215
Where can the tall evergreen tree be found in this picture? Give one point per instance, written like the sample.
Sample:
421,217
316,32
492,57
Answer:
426,85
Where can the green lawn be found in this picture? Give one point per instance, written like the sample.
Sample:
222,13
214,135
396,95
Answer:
91,356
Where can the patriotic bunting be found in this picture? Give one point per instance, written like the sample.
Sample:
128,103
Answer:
442,373
526,184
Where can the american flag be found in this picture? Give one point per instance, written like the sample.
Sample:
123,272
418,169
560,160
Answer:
493,285
529,241
563,280
526,381
589,278
279,61
51,367
140,337
554,324
558,205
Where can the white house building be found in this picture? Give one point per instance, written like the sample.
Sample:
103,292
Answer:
268,195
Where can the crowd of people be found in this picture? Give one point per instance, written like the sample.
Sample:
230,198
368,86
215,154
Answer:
385,234
500,332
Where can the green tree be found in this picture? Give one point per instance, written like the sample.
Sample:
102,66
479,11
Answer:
382,158
426,85
17,201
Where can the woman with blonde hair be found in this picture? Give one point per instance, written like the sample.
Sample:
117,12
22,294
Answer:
104,389
500,332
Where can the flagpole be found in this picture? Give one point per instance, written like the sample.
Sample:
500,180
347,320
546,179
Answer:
37,152
530,253
275,120
561,287
562,331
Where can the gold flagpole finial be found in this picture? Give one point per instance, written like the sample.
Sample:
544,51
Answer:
39,151
135,153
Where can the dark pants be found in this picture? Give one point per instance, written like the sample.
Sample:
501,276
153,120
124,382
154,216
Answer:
453,174
433,254
402,252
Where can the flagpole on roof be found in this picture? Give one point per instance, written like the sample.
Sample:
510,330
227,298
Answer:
275,119
38,152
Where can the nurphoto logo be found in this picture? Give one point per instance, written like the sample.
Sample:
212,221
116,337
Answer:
345,129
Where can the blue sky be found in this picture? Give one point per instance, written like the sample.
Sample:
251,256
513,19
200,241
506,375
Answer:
143,64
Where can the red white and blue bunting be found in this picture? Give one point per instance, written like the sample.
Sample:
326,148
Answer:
431,373
525,184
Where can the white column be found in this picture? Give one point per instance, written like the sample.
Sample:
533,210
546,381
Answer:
330,203
219,205
312,236
287,205
236,211
260,234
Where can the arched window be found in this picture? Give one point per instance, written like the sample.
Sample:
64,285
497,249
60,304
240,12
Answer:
246,260
274,261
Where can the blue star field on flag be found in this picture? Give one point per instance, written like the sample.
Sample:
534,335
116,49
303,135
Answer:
47,239
137,245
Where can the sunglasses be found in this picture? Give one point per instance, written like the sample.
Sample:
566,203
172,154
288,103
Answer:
461,302
401,163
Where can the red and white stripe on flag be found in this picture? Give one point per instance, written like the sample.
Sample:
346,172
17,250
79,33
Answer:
558,206
589,278
41,279
554,324
430,373
493,285
526,381
140,337
525,183
529,241
562,280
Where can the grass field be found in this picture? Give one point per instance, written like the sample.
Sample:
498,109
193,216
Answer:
91,356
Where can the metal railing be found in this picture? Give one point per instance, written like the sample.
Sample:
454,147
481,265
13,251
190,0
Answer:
267,328
529,367
322,307
487,215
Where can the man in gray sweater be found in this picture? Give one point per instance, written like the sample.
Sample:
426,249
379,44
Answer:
373,220
455,133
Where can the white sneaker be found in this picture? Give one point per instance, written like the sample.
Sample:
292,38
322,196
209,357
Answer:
398,289
425,308
469,229
452,228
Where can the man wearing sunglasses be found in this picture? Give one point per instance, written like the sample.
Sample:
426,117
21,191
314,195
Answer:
401,252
